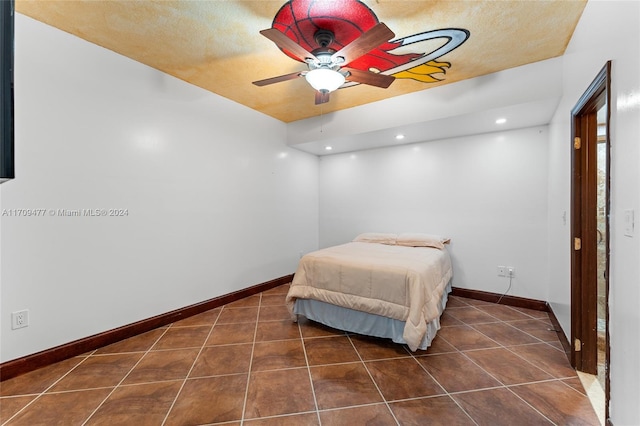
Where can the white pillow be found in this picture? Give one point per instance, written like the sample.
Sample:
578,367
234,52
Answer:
376,237
421,240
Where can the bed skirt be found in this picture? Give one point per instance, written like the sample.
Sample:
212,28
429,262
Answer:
360,322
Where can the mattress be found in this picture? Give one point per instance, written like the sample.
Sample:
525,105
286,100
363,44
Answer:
402,283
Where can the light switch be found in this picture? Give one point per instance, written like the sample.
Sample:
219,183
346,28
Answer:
629,223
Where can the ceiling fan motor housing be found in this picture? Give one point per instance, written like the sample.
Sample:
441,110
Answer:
324,53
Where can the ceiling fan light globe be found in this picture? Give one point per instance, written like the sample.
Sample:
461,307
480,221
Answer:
325,80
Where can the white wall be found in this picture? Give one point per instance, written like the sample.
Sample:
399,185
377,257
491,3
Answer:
607,31
487,192
216,200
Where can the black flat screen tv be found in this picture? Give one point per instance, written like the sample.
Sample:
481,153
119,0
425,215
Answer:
7,134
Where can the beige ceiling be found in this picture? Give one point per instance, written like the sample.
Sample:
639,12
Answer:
216,45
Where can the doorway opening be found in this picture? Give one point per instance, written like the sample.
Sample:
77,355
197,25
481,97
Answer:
602,228
590,234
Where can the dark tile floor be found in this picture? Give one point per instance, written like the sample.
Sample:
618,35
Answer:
248,363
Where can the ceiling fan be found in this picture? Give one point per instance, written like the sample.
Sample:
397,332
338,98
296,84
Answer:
327,71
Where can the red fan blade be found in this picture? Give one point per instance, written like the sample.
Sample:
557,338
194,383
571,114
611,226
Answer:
285,43
278,79
322,97
370,78
364,44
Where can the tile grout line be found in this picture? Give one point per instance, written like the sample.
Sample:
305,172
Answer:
123,378
446,392
364,364
253,347
184,381
477,309
539,340
529,362
306,360
501,386
368,404
273,416
472,326
514,308
530,405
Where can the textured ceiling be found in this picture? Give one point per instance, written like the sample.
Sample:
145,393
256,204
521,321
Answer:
216,45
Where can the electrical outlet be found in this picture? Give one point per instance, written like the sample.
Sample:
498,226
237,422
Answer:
511,271
502,271
19,319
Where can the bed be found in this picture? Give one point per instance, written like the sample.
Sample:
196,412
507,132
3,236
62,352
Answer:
383,285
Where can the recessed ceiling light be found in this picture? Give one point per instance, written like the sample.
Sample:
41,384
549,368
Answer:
328,148
399,137
501,120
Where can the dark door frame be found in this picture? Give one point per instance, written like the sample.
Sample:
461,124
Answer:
584,226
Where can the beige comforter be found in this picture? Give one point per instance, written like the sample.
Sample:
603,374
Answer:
404,283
